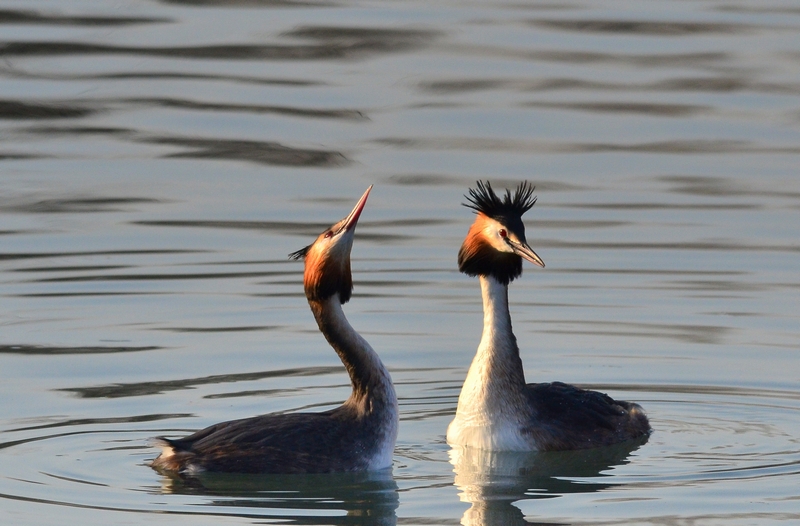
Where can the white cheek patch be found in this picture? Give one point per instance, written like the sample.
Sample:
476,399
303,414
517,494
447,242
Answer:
498,242
491,232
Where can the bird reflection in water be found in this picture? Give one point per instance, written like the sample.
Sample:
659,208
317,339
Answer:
353,498
492,480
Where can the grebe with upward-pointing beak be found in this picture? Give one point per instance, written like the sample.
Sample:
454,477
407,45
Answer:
496,409
357,436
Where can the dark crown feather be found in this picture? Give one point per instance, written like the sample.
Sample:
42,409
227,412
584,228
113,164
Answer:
484,200
300,254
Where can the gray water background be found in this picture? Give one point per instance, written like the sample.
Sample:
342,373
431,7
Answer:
160,159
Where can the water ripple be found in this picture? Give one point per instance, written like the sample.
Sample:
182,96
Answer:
18,110
720,187
251,3
704,334
300,228
158,387
262,152
703,59
644,108
724,83
6,256
30,350
165,277
243,328
76,205
649,27
699,146
345,114
715,245
9,71
330,43
99,421
26,17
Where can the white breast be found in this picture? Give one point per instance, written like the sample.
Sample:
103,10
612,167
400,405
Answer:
483,430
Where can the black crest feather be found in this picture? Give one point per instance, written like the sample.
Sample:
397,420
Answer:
484,200
300,254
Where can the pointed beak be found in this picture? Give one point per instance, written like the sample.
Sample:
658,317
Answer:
350,221
525,252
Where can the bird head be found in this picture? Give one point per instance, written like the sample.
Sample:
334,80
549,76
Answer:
495,244
327,259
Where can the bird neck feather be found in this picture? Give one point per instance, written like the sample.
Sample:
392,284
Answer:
494,389
498,343
327,275
372,385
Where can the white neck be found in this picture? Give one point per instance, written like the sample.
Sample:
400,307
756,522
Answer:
497,339
493,395
497,367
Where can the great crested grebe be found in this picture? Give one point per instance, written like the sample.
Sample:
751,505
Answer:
357,436
496,409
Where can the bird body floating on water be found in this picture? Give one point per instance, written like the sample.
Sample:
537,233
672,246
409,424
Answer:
357,436
497,410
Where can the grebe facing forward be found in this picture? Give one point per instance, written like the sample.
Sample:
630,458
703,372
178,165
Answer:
496,409
357,436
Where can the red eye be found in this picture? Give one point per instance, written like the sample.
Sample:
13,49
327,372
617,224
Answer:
328,234
503,233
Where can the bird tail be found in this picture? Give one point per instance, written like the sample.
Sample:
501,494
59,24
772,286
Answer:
170,458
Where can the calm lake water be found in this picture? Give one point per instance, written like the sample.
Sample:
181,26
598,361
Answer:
161,158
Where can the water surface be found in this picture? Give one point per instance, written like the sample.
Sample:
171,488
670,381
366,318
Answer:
161,159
